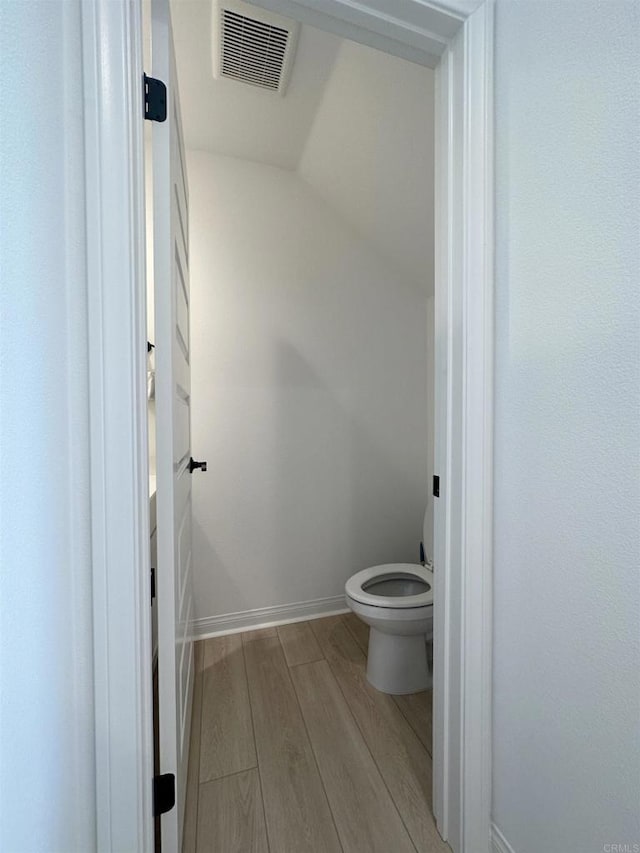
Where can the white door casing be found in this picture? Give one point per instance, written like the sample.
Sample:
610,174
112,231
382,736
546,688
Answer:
173,429
464,436
116,331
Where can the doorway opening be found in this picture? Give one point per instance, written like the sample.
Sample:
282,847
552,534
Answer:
310,259
458,42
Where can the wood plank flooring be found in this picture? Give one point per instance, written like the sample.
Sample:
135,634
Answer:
299,643
296,808
292,751
230,814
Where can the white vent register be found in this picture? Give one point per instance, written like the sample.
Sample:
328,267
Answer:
252,46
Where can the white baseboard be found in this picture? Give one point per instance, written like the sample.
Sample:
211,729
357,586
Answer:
264,617
499,842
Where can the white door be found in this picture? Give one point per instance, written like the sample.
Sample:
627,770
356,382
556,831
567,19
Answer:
173,421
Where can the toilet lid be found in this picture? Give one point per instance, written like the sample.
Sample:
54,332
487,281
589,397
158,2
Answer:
392,585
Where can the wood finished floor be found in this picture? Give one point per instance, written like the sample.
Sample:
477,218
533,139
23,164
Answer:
292,751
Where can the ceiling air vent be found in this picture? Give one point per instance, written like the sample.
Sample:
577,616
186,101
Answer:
252,46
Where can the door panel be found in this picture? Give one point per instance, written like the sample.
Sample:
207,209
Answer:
173,428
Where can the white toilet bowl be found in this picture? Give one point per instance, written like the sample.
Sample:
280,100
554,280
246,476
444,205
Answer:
396,601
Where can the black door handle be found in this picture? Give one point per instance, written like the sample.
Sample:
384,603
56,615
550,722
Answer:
193,465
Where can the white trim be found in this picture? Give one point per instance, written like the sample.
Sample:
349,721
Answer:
112,80
464,408
477,450
464,317
499,842
443,243
462,8
266,617
420,34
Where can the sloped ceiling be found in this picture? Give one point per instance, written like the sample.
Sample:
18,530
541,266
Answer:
232,118
370,153
355,123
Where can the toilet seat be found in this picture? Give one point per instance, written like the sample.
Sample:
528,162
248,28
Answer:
354,586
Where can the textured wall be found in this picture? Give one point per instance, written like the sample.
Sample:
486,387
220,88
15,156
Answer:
567,478
47,797
309,385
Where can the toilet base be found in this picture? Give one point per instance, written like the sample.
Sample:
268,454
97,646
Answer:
398,664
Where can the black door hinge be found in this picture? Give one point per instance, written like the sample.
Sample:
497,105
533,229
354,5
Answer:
153,584
436,486
155,99
164,793
193,465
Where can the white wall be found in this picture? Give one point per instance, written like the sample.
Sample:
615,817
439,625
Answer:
567,514
47,776
370,153
309,378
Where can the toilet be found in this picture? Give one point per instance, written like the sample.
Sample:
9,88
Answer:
396,601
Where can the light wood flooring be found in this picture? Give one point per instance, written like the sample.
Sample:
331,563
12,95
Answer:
292,751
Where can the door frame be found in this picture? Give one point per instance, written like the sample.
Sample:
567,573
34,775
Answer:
119,470
456,38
